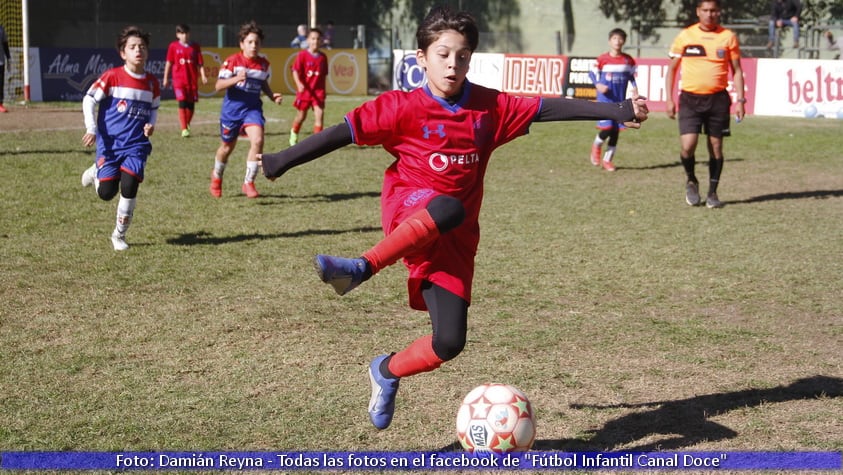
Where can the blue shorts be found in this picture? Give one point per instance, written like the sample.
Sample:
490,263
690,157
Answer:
111,164
230,129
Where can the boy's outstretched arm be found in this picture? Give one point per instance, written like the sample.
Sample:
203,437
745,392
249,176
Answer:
631,111
311,148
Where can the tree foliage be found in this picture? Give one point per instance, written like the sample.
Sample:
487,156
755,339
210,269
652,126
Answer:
647,14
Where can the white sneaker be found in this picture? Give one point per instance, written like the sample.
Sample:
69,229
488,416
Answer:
119,241
89,176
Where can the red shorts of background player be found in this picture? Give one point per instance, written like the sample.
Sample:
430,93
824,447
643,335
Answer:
308,101
186,93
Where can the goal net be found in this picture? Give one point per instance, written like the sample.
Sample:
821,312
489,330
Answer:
11,18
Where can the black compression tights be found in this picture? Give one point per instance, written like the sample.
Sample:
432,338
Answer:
449,318
127,184
611,134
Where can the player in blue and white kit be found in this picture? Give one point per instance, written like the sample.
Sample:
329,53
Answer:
612,74
244,76
128,99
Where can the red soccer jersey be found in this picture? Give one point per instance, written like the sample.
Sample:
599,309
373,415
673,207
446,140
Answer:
186,60
440,149
312,70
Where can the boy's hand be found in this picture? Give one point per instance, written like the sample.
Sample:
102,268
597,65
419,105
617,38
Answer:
148,129
89,139
277,98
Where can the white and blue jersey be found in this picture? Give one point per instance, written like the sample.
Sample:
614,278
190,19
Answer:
616,72
125,103
242,106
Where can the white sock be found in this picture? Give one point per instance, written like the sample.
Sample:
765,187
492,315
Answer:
125,210
598,141
610,152
251,171
219,168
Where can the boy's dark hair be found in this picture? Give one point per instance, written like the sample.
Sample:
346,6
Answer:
443,18
317,30
182,28
716,2
619,32
249,28
127,33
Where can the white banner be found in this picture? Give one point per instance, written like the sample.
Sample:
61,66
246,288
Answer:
799,88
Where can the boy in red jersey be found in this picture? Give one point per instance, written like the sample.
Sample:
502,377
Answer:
128,98
442,137
244,76
309,72
184,59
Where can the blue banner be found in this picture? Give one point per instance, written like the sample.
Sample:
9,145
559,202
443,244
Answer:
427,461
67,73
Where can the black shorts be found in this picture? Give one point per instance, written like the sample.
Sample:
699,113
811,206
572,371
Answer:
707,113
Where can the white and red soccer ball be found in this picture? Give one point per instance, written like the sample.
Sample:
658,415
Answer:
496,418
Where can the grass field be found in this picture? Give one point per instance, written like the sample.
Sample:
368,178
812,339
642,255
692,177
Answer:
633,321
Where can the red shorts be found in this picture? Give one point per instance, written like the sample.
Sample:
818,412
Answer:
447,262
186,93
306,100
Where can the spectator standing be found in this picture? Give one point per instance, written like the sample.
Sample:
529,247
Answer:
300,41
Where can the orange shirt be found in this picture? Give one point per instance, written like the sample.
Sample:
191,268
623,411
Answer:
706,58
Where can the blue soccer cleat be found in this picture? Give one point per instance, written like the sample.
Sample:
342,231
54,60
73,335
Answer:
384,390
342,273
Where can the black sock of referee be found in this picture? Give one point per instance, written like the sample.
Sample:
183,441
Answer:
688,164
715,166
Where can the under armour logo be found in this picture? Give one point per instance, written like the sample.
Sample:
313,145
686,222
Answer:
440,130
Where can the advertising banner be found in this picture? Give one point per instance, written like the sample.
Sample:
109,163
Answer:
800,88
67,73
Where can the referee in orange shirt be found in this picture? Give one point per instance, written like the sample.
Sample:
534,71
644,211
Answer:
706,52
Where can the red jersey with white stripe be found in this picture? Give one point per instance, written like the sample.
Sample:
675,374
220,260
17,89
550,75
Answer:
186,60
440,148
245,95
312,69
126,102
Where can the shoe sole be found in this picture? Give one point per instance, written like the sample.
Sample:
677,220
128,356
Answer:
340,286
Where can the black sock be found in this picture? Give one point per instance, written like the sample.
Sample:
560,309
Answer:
688,164
715,166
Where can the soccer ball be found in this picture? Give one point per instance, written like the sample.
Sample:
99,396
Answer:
496,418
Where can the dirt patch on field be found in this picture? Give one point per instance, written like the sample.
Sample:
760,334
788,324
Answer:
51,117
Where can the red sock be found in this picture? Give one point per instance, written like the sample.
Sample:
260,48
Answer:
416,232
296,127
183,118
189,119
417,358
317,129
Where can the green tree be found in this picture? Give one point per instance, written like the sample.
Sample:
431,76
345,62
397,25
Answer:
647,14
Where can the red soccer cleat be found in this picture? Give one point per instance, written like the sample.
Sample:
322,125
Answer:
250,190
216,185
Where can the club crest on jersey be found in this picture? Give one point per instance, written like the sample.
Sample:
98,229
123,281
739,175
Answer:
122,105
440,131
721,53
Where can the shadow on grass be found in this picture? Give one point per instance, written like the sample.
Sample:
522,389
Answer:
689,418
203,238
791,195
676,164
330,198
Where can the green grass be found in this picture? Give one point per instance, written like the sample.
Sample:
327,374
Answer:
630,319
